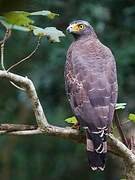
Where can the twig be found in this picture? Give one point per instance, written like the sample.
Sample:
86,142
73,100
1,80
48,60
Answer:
2,43
119,126
2,56
6,36
24,59
17,127
31,92
27,57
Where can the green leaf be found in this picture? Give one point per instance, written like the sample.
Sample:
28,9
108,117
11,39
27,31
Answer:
131,117
120,106
38,31
71,120
54,34
51,32
49,14
15,27
19,18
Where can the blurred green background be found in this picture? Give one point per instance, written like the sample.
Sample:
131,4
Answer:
41,157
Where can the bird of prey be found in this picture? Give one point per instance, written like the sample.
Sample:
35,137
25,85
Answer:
91,86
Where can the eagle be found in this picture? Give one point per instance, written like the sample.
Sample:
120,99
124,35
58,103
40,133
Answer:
91,87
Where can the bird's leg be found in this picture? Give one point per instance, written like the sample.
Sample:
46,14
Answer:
119,126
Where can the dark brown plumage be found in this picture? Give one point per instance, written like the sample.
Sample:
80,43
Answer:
91,85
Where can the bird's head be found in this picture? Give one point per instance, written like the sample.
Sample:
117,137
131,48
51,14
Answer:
80,28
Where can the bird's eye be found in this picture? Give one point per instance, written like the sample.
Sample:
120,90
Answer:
81,26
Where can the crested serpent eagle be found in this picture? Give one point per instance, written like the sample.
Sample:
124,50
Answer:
91,86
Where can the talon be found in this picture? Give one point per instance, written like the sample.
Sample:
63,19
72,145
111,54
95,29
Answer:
76,126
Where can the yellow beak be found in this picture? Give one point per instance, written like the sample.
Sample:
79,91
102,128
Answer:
72,28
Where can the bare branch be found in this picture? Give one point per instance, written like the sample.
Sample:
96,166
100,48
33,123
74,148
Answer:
27,57
31,92
6,36
2,43
114,145
17,127
2,56
122,150
24,59
21,133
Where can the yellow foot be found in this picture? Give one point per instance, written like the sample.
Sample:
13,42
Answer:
76,126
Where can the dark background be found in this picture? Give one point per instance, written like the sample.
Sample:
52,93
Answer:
41,157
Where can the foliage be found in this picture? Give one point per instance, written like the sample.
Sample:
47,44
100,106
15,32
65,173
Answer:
131,117
71,120
49,14
20,20
51,32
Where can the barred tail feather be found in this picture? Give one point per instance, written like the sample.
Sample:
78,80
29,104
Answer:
96,149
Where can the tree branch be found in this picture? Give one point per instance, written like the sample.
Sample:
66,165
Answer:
114,145
2,44
17,127
27,57
31,92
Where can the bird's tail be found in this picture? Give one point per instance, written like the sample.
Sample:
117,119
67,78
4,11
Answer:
96,148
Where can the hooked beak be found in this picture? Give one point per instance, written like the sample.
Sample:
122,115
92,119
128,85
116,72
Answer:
73,28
